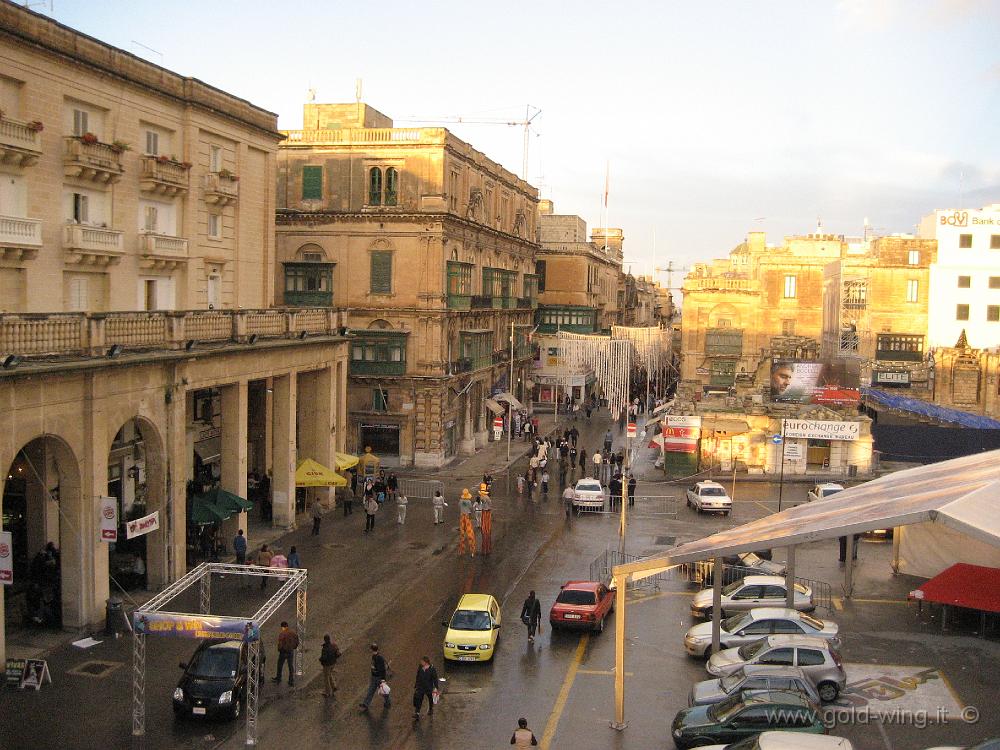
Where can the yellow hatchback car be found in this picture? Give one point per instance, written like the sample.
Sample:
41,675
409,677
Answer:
473,630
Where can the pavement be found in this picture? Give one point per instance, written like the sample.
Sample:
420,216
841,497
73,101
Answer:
397,585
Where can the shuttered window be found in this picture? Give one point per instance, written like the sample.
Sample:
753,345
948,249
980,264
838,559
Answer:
391,186
312,183
381,280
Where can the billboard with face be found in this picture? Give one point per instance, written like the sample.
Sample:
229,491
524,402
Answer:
814,382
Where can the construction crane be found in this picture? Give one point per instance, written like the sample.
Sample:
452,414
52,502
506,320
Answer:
669,271
529,117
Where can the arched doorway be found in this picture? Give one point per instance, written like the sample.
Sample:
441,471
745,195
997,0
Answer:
41,510
136,481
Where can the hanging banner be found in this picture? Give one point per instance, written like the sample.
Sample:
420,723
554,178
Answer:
141,526
195,626
6,559
108,520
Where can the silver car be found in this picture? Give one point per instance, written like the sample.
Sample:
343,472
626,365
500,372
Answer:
747,627
588,495
752,677
751,592
814,656
782,740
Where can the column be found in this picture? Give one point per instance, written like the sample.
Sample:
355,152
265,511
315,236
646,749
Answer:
234,450
283,398
178,471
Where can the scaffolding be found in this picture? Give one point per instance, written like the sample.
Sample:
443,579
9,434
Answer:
245,628
853,315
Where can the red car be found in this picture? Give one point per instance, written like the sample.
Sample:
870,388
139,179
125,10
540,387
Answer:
582,605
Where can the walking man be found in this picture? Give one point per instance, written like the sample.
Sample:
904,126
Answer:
328,658
531,615
607,440
294,561
581,456
569,495
523,737
401,503
439,506
598,460
631,490
426,685
240,548
317,514
264,558
288,641
371,508
379,673
545,483
465,531
486,523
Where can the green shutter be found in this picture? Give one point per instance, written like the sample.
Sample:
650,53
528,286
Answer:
312,183
381,282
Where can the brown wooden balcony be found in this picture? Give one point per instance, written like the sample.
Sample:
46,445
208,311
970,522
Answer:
20,142
165,177
221,188
93,160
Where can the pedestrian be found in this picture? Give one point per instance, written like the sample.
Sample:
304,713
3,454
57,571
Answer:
545,483
317,514
439,506
264,558
488,481
574,435
288,641
588,409
522,480
572,456
401,503
379,674
607,440
293,558
328,658
240,548
371,508
349,496
631,490
486,524
392,485
581,456
598,460
465,531
426,685
562,472
615,491
523,737
531,615
569,495
477,511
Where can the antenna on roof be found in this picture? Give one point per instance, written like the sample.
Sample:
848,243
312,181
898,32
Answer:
358,83
311,94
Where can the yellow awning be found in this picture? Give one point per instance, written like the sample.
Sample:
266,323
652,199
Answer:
345,461
309,473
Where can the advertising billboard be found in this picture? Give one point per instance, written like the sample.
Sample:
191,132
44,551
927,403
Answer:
833,383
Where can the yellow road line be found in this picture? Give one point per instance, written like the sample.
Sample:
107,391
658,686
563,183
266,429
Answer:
608,672
838,603
557,709
657,595
951,689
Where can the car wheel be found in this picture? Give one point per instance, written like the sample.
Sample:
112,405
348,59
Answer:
708,652
828,691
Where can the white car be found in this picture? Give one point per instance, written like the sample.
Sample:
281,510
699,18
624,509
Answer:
709,497
752,592
787,741
824,491
749,626
588,495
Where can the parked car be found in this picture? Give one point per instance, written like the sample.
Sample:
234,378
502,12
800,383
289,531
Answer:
747,627
744,564
709,497
751,592
752,677
588,495
214,682
814,656
473,629
824,491
744,716
582,605
779,740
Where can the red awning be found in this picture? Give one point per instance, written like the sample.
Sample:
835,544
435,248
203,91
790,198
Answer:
963,585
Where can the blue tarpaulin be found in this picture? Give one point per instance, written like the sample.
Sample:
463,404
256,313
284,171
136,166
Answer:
929,410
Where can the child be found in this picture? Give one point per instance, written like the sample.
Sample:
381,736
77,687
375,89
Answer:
401,503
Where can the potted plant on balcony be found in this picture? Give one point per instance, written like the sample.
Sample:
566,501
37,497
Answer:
227,175
89,138
36,126
162,159
120,147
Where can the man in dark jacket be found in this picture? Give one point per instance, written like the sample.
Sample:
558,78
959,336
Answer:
615,491
288,641
426,684
328,658
379,673
531,615
631,490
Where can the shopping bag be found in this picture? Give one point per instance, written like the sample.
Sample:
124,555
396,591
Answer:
383,688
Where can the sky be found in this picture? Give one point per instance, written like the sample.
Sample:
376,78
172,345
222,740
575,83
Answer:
710,119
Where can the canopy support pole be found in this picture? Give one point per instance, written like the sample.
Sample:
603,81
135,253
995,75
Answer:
205,593
790,578
619,722
300,625
717,571
849,566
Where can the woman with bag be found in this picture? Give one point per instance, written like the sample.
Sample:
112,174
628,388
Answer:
426,685
371,508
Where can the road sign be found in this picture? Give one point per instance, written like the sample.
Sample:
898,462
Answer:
776,439
630,430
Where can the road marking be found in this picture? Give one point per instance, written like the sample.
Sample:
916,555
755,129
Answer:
880,601
648,597
574,667
838,603
609,672
951,689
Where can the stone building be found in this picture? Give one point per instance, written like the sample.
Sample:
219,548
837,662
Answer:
140,357
430,247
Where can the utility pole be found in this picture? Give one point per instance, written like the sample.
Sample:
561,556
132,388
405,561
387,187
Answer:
781,476
510,406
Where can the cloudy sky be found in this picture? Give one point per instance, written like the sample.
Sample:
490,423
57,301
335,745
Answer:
716,118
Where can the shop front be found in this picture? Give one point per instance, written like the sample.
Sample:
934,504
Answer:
382,437
821,446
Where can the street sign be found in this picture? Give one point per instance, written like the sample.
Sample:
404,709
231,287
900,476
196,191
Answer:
6,559
630,430
776,439
794,452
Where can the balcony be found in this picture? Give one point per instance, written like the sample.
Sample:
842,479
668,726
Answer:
221,188
93,245
463,364
481,302
162,251
459,302
19,237
527,303
93,161
308,299
364,367
162,176
20,142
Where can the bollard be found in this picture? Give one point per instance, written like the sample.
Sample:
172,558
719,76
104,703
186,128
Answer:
114,617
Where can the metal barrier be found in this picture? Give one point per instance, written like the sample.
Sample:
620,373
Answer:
655,505
604,563
412,487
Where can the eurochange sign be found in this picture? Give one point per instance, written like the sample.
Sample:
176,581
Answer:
195,626
821,430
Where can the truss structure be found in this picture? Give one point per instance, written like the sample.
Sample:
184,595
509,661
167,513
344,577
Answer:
295,583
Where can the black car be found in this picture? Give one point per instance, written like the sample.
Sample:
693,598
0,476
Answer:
214,682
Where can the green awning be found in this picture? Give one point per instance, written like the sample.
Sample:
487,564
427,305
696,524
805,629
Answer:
226,502
204,513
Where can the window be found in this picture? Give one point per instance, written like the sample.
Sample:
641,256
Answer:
913,258
789,287
374,186
994,282
453,196
964,282
150,216
215,158
305,277
540,273
384,350
77,301
961,312
215,226
152,142
150,294
895,347
381,273
965,240
809,657
724,323
312,183
80,122
787,328
992,313
391,186
380,400
912,290
995,242
459,278
81,208
783,656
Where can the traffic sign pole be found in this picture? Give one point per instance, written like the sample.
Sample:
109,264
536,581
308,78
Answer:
781,477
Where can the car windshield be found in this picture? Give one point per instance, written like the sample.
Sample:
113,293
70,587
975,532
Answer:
589,487
570,596
812,622
801,589
732,588
712,492
829,491
215,663
722,711
734,623
470,619
731,682
750,650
